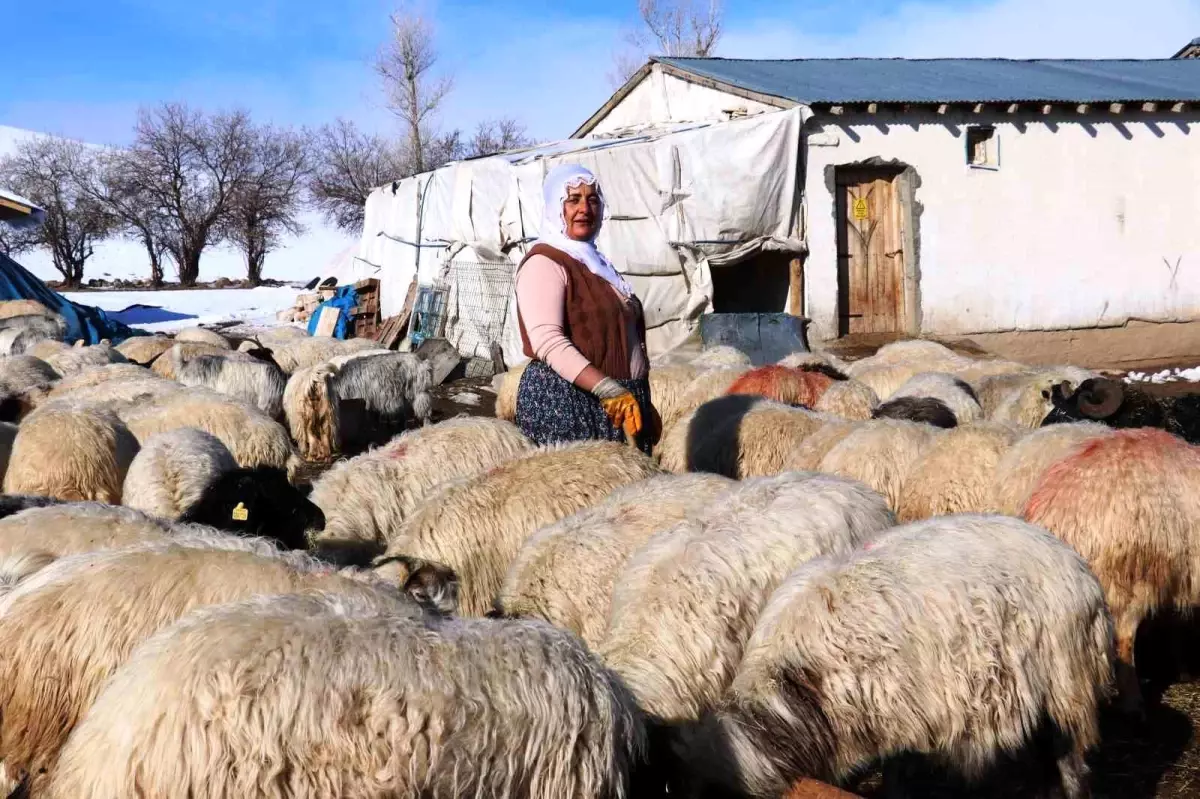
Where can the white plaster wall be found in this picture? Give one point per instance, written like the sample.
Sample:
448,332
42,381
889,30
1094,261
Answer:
1075,229
663,98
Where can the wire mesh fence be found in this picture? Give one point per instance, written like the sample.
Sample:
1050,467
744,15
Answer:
477,304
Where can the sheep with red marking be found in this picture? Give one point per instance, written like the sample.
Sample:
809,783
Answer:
564,573
964,639
1020,468
1128,503
800,386
477,525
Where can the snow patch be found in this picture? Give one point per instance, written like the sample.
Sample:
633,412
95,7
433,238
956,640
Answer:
188,308
1176,375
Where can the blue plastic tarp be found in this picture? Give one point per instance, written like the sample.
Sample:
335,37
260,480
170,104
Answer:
344,299
83,321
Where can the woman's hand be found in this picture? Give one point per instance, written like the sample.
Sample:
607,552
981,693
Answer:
620,405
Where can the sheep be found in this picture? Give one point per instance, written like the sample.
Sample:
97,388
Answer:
685,603
564,573
924,410
958,396
43,325
12,504
252,437
295,354
310,407
257,502
281,333
978,371
1121,406
144,350
808,454
782,384
506,395
78,359
886,379
45,348
59,528
956,473
81,455
25,382
203,336
117,395
920,354
476,525
740,439
799,360
256,382
11,308
323,694
341,360
1020,468
707,385
8,434
76,620
667,386
367,499
849,399
172,471
98,376
23,334
881,453
1025,399
960,639
392,388
1127,503
164,364
721,357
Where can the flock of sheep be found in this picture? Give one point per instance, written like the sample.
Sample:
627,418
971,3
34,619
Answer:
824,568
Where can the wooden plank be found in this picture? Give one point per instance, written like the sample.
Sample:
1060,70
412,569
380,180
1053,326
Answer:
796,287
327,321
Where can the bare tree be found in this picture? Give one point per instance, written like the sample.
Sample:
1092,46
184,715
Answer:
347,165
187,166
132,208
267,204
498,136
44,170
414,93
675,28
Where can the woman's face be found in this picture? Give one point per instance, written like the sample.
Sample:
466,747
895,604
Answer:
581,210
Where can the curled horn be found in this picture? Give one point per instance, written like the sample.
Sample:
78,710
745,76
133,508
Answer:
1099,399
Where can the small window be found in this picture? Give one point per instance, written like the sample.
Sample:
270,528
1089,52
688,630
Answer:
983,148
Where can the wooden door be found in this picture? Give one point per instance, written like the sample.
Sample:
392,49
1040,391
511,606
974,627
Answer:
870,252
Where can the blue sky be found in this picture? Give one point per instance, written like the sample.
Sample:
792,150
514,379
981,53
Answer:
86,66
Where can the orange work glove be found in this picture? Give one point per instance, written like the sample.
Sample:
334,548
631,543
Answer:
620,405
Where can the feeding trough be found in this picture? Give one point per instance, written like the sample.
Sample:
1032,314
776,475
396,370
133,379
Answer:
764,337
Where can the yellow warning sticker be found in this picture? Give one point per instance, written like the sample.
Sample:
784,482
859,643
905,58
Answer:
240,514
860,209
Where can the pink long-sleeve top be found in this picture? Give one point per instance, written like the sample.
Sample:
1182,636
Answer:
542,297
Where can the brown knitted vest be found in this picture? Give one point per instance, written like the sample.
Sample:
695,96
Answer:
597,321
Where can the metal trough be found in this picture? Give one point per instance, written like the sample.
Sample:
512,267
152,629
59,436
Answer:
764,337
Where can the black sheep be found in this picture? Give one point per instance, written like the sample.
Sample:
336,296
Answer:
15,503
917,409
1121,406
258,502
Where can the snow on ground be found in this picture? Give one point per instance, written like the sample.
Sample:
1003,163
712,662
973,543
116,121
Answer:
168,311
1165,376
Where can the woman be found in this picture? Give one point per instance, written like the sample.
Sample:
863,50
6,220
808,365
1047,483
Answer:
583,327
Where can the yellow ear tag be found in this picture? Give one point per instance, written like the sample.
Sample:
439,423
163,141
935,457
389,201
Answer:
240,514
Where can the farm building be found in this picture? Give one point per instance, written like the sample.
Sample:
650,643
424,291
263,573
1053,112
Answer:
19,212
1041,208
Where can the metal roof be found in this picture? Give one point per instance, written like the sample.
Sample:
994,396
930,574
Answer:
952,80
18,211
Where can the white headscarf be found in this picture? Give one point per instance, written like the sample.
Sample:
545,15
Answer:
557,185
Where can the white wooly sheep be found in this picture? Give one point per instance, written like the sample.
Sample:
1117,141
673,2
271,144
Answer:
686,602
849,399
310,407
1023,399
164,364
76,620
1019,470
77,359
957,394
812,450
956,473
721,357
667,387
326,694
113,372
144,350
922,355
881,453
952,638
203,336
8,434
798,360
271,335
476,525
298,353
243,377
173,470
565,572
253,438
506,393
367,499
71,455
78,527
21,372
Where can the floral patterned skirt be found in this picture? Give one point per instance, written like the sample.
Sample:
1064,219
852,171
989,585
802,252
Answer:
551,409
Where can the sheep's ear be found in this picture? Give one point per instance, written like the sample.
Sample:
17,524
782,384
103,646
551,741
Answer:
432,584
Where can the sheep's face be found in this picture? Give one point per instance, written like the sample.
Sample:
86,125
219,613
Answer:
1094,400
432,585
259,502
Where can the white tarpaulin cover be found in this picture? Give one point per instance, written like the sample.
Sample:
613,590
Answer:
679,200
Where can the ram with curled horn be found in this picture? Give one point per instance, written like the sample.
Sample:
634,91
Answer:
1124,406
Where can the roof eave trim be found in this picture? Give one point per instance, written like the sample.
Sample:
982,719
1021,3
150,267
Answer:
619,95
728,88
